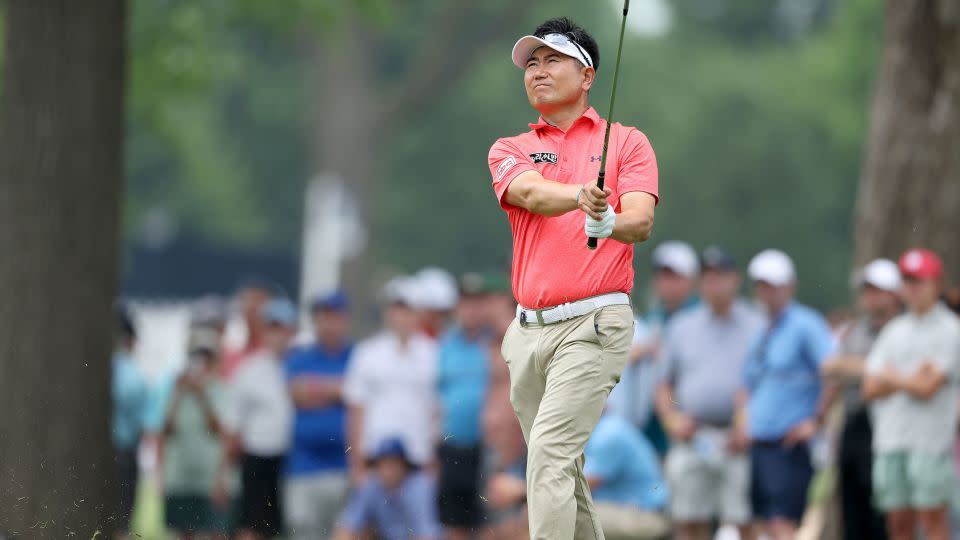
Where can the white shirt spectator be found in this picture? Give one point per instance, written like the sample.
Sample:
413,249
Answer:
259,409
900,421
395,387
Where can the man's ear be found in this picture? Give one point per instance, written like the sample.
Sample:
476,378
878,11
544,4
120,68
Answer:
589,75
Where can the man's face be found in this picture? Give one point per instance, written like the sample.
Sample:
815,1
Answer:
719,287
277,337
402,319
874,301
920,294
250,300
554,80
392,471
331,326
773,297
671,288
472,311
501,311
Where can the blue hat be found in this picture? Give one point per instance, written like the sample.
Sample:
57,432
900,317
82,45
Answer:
279,311
392,447
717,258
335,301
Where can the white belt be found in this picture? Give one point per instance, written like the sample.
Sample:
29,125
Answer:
570,310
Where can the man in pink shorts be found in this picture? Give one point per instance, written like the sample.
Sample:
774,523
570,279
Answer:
574,325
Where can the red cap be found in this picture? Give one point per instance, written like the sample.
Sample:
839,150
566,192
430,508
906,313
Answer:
921,264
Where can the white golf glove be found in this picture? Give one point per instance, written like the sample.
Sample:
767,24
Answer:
601,228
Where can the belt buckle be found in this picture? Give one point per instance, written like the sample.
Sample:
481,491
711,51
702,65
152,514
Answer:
523,318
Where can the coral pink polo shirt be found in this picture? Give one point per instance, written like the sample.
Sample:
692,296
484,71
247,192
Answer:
551,262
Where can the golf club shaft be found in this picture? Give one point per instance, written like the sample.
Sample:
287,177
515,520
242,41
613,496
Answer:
592,242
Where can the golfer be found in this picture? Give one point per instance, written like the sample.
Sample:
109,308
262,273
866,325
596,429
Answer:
574,325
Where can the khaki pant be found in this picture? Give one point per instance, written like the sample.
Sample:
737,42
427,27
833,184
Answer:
628,523
560,376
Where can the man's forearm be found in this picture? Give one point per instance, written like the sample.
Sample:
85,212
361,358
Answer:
632,227
538,195
877,387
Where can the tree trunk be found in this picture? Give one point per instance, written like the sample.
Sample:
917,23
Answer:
909,191
61,179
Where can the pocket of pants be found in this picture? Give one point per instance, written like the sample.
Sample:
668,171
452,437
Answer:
612,322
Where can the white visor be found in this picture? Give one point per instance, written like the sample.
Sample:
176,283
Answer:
558,42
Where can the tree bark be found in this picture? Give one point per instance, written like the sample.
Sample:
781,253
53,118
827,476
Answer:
909,192
61,180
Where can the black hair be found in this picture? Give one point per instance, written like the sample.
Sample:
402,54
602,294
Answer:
563,25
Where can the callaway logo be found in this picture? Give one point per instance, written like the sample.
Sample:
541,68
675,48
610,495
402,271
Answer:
543,157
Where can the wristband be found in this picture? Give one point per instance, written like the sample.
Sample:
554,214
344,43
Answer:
579,193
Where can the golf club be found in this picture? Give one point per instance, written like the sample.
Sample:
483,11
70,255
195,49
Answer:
592,242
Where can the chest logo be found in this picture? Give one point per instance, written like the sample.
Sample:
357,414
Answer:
543,157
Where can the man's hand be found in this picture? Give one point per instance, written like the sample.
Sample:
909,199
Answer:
681,426
220,495
801,433
737,441
593,200
602,228
504,491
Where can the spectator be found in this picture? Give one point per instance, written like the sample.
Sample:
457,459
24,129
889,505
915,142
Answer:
396,502
462,380
703,354
505,491
675,273
390,386
131,399
910,382
879,284
316,471
251,298
623,471
192,438
785,405
259,419
435,297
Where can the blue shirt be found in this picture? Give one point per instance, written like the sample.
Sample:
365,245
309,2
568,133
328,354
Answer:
627,465
462,378
408,512
131,399
319,438
782,372
159,401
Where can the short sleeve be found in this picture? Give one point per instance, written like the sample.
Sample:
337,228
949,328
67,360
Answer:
638,166
356,383
506,162
820,341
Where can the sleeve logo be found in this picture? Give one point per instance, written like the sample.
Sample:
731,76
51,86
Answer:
505,165
543,157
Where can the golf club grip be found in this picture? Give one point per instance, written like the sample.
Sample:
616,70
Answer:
592,242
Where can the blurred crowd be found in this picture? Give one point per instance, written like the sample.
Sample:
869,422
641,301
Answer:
728,409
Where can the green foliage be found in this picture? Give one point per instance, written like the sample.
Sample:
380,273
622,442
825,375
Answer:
758,137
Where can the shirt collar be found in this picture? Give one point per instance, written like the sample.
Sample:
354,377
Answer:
590,114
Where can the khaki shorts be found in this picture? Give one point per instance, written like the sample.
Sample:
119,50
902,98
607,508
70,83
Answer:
560,376
912,480
704,486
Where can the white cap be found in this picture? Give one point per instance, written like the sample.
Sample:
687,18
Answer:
772,266
436,290
401,290
880,273
559,42
678,257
